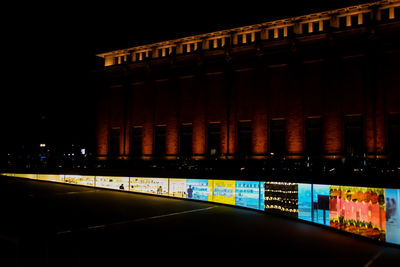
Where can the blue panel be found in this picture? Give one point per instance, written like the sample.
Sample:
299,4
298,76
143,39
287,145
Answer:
248,194
314,203
392,215
197,189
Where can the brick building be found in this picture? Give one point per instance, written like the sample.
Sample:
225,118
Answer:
322,85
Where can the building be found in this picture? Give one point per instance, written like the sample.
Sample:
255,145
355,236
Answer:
319,85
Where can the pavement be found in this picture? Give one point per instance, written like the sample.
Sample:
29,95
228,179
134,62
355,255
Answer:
50,224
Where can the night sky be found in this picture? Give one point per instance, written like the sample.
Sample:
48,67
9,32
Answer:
50,50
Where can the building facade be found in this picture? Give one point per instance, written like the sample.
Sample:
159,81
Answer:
320,85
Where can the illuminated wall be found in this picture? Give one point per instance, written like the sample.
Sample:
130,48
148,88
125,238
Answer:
250,194
313,201
365,211
359,210
80,180
157,186
281,198
113,182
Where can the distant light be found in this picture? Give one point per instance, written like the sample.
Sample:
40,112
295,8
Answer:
42,145
83,151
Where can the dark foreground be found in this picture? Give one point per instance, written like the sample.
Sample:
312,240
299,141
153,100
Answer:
48,224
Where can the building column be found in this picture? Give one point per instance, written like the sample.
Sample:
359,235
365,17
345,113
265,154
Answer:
333,128
103,125
148,125
374,104
294,111
199,129
260,114
229,124
172,129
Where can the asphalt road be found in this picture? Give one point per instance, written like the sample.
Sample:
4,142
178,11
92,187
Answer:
49,224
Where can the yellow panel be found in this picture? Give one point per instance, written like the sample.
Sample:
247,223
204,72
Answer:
79,179
113,182
224,191
177,187
26,175
51,177
149,185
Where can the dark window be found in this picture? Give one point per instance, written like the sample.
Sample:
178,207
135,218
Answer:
136,144
326,25
397,13
210,44
271,34
185,140
385,15
315,26
342,22
290,30
173,50
244,138
280,32
394,135
366,18
304,28
240,39
184,48
353,135
213,139
248,37
114,142
277,137
354,20
314,136
159,140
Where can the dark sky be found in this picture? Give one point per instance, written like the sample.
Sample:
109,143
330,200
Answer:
50,49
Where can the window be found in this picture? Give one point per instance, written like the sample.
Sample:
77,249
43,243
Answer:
326,24
240,38
397,12
342,22
313,136
290,31
114,141
213,139
277,136
159,139
366,18
271,34
315,26
244,138
385,15
185,140
136,143
305,28
394,135
354,20
353,135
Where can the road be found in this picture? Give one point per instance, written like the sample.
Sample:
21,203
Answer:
49,224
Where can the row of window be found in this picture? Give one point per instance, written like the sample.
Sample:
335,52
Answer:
353,138
251,37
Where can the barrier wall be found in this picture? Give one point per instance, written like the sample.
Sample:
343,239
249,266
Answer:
365,211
